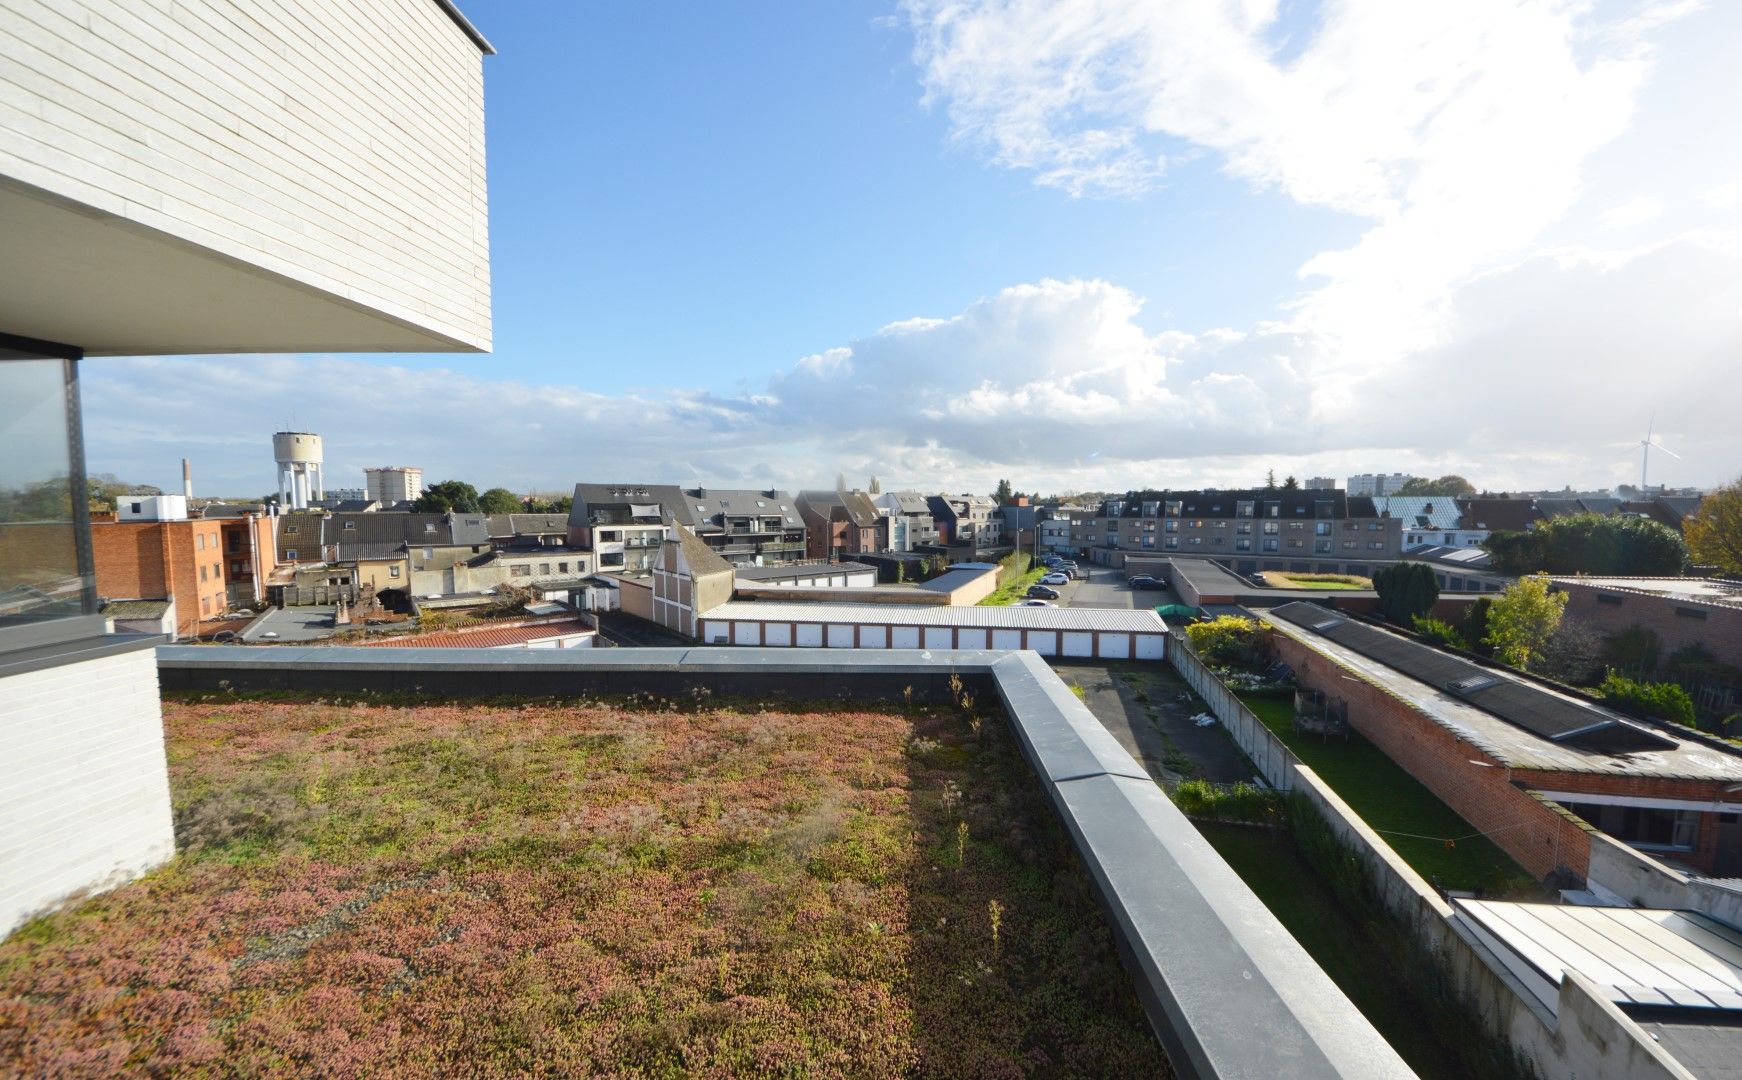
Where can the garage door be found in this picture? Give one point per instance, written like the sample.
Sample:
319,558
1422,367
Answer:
904,637
715,633
1044,642
873,637
1115,646
1150,646
746,633
840,637
970,638
1079,643
939,637
777,634
1007,639
810,636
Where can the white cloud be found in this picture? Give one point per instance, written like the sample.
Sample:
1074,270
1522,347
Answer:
1633,212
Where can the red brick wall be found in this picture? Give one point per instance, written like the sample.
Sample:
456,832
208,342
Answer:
1705,850
1720,631
1537,836
149,560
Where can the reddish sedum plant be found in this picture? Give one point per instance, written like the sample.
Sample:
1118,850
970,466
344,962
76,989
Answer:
584,890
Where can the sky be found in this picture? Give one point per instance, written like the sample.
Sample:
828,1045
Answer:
1078,244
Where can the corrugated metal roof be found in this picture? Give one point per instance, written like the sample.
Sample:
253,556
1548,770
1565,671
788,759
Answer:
1640,956
1031,618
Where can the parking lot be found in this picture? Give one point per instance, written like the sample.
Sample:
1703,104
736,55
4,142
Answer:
1105,587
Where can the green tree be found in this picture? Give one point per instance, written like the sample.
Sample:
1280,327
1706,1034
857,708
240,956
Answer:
1270,480
500,501
1516,553
1665,700
1003,494
1407,591
1523,618
1453,485
1475,626
875,486
1714,532
1290,484
1438,632
449,495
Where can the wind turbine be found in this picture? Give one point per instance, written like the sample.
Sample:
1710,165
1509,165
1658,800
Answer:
1645,447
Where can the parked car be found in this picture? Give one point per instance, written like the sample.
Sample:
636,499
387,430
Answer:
1041,592
1146,581
1037,603
1055,579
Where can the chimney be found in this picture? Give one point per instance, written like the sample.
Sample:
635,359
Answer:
187,480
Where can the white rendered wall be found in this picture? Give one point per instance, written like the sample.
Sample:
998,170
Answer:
339,143
84,784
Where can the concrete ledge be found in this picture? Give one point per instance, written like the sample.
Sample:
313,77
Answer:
1228,991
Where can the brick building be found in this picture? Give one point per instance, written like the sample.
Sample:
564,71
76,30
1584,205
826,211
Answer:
841,524
1680,611
1531,767
163,560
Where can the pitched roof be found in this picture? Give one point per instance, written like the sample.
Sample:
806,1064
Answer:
612,504
706,507
856,505
908,502
1508,515
1419,511
701,558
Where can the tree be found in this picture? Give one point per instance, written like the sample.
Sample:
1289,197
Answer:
1590,544
1523,618
456,496
840,481
1270,480
1002,495
500,501
1516,553
874,486
1291,484
1714,532
1407,591
1452,485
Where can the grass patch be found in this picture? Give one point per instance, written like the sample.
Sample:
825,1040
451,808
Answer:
509,889
1014,590
1410,817
1332,582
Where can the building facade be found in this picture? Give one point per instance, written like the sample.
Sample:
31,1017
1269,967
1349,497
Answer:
1370,484
389,484
182,561
841,524
1310,531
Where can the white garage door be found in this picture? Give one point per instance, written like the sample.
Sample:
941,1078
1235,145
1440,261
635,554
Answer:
746,633
904,637
777,634
939,637
1007,639
840,637
1079,643
1150,646
873,637
715,633
1044,642
1115,646
810,636
970,638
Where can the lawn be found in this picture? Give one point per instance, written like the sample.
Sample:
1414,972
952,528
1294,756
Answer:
584,890
1013,591
1330,582
1269,863
1411,818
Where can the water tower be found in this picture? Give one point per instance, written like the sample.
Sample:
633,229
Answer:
299,468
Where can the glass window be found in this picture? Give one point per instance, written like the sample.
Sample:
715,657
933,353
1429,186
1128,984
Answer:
45,538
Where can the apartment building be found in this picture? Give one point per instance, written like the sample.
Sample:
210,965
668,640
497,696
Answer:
1370,484
176,559
1250,530
389,484
624,525
841,524
909,523
971,521
1430,521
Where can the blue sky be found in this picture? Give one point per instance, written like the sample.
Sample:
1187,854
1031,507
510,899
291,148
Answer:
1085,244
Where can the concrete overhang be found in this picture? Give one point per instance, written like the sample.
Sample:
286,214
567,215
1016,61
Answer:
114,287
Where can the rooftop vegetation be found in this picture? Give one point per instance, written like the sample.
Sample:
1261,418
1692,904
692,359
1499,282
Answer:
587,889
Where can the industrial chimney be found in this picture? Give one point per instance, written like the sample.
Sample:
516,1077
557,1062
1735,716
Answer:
187,480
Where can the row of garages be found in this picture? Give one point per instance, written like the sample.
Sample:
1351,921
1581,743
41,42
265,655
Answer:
1090,633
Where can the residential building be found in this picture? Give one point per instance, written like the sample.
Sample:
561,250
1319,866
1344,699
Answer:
1250,530
758,528
392,483
625,524
840,525
515,531
689,578
1689,616
909,520
1429,521
1321,483
1370,484
970,521
1054,531
174,559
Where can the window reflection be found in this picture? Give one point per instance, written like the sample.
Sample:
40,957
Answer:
40,526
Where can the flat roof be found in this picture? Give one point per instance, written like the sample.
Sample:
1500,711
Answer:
1007,618
1639,956
1695,590
798,570
1686,759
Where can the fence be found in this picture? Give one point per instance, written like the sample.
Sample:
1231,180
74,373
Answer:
1274,761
